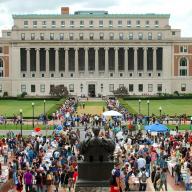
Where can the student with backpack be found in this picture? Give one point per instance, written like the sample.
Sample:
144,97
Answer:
142,180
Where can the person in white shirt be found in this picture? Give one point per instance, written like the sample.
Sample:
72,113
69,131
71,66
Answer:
141,162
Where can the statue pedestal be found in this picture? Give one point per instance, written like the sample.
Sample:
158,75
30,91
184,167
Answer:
94,176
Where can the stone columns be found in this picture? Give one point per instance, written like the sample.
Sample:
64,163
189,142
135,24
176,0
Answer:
86,61
145,60
154,60
96,62
76,63
135,60
116,62
66,62
57,62
47,62
28,62
126,60
106,61
37,62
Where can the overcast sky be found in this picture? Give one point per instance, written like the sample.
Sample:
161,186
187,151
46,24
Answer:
180,10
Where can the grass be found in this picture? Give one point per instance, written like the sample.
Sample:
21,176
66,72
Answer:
169,106
10,107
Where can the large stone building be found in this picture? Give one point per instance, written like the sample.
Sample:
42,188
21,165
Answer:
94,52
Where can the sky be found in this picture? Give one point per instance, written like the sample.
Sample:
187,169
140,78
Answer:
180,10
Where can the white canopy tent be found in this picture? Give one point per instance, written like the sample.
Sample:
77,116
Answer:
112,113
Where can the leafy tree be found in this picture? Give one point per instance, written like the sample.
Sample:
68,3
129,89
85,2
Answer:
121,91
59,91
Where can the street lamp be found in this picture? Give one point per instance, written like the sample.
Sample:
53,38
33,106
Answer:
33,105
44,105
148,109
139,106
21,118
160,110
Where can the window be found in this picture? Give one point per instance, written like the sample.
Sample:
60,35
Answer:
1,88
140,74
159,88
81,36
130,74
34,24
81,23
42,88
72,23
149,36
1,73
111,74
81,87
111,36
159,74
100,23
26,24
101,35
121,74
111,87
32,88
70,36
150,87
61,36
183,87
23,88
110,23
159,36
130,36
51,36
33,75
23,75
120,36
183,49
149,74
138,23
42,75
1,50
42,36
156,23
32,36
91,36
129,23
101,87
71,87
53,24
119,23
22,36
140,87
44,23
147,23
140,36
121,85
131,87
173,33
61,74
183,67
91,23
52,75
62,24
71,75
8,34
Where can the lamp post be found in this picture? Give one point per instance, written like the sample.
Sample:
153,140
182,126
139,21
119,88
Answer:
44,106
148,109
160,110
33,105
139,106
21,118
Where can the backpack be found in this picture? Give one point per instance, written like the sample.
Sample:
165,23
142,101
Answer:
143,177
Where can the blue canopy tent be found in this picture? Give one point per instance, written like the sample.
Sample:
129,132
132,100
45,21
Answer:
159,128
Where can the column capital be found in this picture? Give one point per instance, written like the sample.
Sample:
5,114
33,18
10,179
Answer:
66,48
86,48
96,48
126,48
116,48
154,48
76,48
135,48
56,49
145,48
27,49
106,48
47,49
37,49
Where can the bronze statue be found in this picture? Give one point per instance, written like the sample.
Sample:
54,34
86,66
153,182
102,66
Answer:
97,148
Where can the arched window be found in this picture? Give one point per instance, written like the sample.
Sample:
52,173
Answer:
183,66
1,67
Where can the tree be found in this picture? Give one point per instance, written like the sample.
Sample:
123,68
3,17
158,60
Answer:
59,90
121,91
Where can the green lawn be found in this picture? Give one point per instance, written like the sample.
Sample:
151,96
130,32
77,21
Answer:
24,127
169,106
10,107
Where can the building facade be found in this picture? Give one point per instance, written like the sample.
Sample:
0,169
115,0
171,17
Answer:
94,53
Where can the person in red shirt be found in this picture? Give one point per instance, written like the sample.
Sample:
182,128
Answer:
75,176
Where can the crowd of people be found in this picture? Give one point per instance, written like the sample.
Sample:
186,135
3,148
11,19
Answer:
41,163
